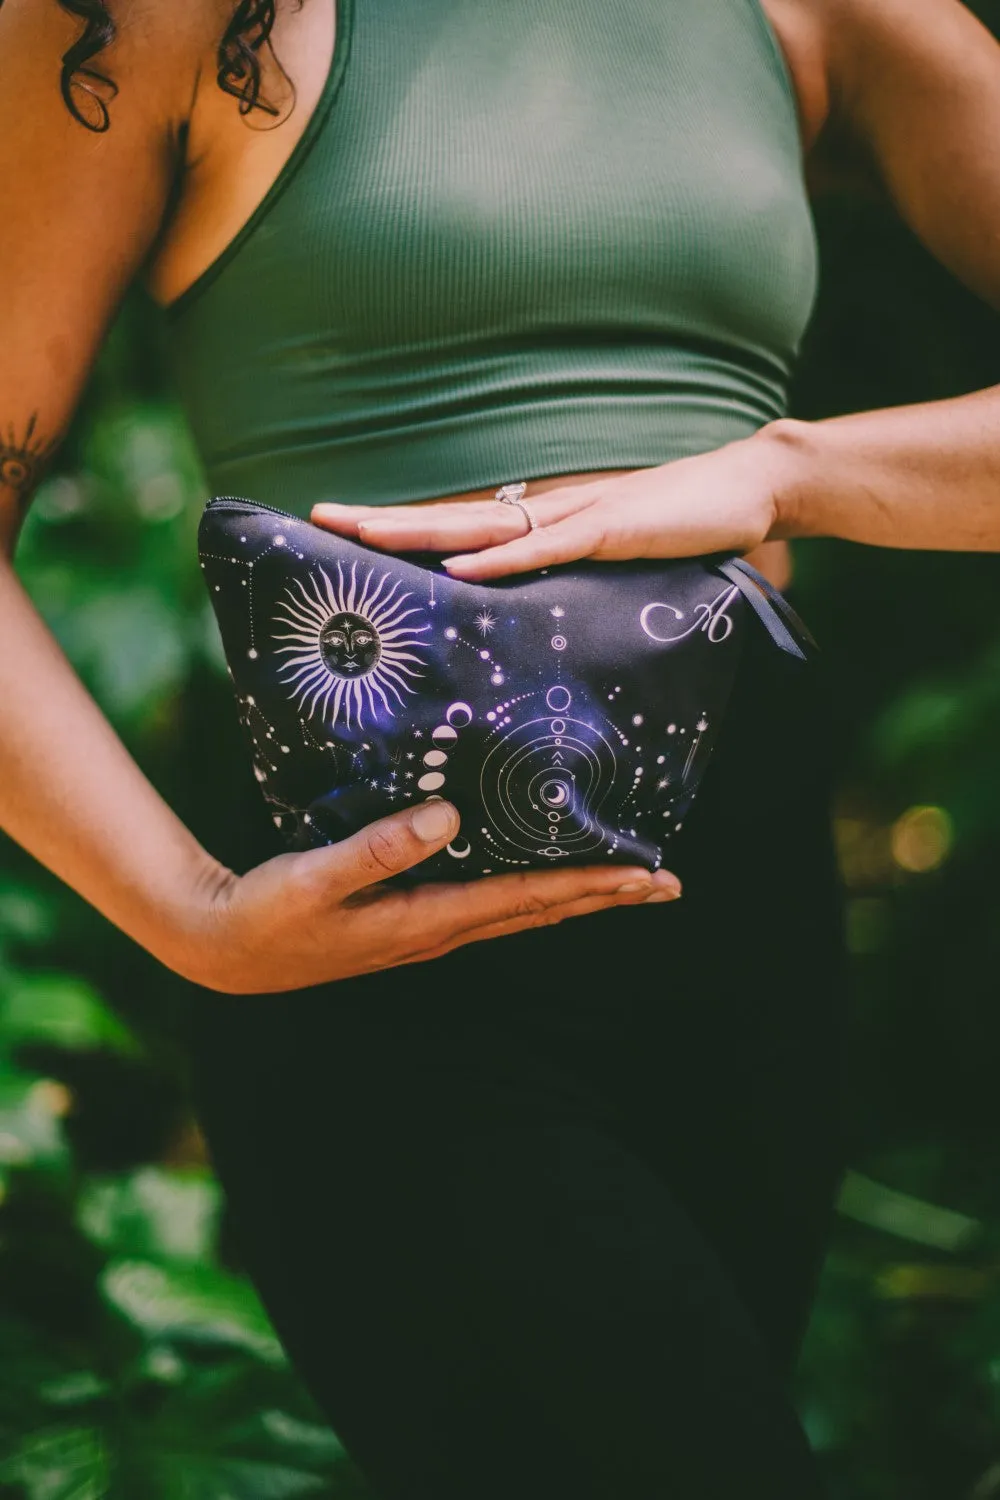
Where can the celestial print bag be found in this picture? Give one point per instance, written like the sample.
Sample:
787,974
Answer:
569,714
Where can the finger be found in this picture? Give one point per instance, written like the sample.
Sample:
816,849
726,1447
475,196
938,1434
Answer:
587,907
418,908
345,519
439,914
423,527
443,527
565,541
445,533
377,852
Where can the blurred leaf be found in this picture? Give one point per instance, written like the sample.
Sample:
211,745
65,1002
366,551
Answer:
987,1487
25,915
60,1463
131,646
901,1214
144,452
63,1011
77,1388
31,1131
152,1213
917,1281
197,1303
218,1432
309,1442
199,1476
924,715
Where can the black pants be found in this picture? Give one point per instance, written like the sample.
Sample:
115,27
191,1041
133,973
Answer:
544,1218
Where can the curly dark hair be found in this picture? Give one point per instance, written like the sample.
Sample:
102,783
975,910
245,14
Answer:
248,30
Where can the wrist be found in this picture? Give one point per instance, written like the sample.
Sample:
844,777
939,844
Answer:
183,931
792,465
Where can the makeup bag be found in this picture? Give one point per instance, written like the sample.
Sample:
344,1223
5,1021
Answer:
569,714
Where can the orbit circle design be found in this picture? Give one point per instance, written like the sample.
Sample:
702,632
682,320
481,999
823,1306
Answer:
511,785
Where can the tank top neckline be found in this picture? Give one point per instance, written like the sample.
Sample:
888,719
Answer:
343,32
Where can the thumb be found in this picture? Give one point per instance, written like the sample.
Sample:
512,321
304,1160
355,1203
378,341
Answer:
393,844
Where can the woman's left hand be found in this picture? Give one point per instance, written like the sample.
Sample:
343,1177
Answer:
725,500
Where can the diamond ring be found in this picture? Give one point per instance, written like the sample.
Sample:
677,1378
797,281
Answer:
510,494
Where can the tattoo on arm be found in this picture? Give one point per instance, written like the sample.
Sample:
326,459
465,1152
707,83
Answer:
23,459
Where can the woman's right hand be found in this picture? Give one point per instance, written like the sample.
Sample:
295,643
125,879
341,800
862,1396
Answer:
302,919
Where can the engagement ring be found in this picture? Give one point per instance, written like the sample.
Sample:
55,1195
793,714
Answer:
510,494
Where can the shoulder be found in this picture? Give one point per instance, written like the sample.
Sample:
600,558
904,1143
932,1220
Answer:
915,86
144,57
876,71
867,43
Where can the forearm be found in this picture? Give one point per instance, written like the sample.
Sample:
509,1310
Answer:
73,797
921,476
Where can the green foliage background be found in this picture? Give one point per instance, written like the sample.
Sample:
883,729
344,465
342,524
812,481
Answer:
134,1360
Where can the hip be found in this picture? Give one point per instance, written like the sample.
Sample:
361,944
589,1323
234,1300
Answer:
755,942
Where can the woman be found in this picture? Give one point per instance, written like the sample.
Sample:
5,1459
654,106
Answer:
565,1198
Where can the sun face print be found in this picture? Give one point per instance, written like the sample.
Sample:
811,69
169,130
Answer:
351,646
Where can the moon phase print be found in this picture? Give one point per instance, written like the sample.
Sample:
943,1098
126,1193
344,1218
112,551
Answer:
568,714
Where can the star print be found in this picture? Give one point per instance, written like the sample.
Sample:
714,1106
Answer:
410,755
418,734
485,622
557,611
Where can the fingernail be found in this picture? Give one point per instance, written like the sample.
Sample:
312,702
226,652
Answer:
433,821
633,885
671,893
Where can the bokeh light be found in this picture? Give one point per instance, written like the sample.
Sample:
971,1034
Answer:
922,839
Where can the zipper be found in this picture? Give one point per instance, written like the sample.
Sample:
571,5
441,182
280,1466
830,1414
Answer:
226,502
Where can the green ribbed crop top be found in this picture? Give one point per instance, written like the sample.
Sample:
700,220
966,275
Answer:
518,238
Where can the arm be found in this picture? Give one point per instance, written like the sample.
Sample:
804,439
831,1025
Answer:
924,476
914,91
917,91
64,776
87,209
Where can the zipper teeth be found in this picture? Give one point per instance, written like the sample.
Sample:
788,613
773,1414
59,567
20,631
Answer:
273,510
